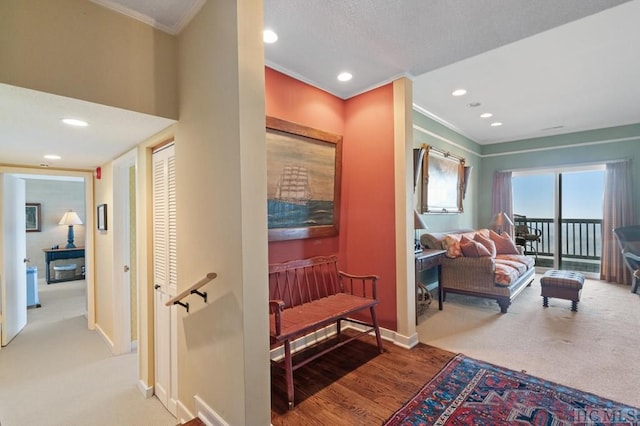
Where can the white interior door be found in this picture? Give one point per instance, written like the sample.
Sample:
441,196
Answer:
122,263
13,271
165,276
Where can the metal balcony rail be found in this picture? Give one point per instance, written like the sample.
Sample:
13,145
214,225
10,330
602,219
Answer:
581,238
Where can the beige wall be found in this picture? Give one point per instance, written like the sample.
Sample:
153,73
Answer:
78,49
75,48
222,221
103,193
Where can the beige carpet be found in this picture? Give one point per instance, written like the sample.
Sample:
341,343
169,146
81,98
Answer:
56,372
596,349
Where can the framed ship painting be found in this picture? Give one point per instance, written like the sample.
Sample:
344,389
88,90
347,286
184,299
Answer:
303,181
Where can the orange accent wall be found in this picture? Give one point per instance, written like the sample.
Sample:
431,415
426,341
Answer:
366,240
369,216
293,100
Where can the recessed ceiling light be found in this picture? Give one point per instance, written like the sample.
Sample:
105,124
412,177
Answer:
345,76
52,157
496,124
459,92
486,115
75,122
269,36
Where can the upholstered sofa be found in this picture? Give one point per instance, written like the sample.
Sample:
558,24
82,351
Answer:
481,263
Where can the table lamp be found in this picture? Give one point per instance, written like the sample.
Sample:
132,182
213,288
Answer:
501,223
70,218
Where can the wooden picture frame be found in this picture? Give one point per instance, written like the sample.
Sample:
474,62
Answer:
304,170
102,217
442,182
33,217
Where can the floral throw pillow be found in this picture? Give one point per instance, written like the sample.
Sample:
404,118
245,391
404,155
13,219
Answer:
452,246
504,243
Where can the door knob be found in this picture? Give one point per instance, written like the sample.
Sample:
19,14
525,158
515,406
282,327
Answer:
157,286
126,268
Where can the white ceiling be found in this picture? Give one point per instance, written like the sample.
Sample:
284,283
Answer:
31,127
535,65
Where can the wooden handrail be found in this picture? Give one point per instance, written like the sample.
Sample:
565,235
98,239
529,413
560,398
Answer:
193,289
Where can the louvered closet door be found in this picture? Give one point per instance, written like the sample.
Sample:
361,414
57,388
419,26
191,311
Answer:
165,275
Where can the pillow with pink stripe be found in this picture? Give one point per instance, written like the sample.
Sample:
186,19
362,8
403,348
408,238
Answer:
485,241
504,244
472,248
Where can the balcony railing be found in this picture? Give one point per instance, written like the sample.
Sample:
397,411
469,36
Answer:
581,238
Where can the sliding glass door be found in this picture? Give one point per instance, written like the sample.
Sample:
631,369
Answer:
562,213
581,195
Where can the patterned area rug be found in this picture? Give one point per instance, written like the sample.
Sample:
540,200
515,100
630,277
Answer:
471,392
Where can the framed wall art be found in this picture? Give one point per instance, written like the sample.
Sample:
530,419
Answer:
442,182
303,181
102,217
33,217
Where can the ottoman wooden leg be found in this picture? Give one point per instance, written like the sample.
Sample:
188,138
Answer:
574,306
545,301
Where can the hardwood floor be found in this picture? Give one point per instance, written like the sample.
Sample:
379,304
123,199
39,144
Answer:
354,385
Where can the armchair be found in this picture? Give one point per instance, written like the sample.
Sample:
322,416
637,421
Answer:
526,236
629,242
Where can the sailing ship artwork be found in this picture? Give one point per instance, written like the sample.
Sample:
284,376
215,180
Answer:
292,204
301,182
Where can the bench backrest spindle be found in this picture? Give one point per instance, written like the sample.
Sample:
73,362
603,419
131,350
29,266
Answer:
301,281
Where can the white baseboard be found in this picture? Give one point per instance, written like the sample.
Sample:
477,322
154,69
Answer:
305,341
397,339
208,416
406,342
184,415
110,344
145,389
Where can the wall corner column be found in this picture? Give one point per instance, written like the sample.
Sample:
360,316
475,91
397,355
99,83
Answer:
403,160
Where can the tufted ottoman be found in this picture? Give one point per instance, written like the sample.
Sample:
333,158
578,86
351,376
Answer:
562,285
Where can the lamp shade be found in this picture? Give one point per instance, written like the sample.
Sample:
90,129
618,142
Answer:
501,222
70,218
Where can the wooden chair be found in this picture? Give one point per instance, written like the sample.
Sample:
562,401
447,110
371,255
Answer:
526,236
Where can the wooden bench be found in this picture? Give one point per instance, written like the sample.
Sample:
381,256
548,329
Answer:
310,294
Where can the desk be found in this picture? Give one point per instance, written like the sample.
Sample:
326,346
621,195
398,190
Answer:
51,255
427,259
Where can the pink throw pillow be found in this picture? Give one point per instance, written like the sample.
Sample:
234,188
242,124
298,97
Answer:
487,243
504,244
472,248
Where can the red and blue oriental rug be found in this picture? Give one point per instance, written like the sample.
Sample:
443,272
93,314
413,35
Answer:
471,392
